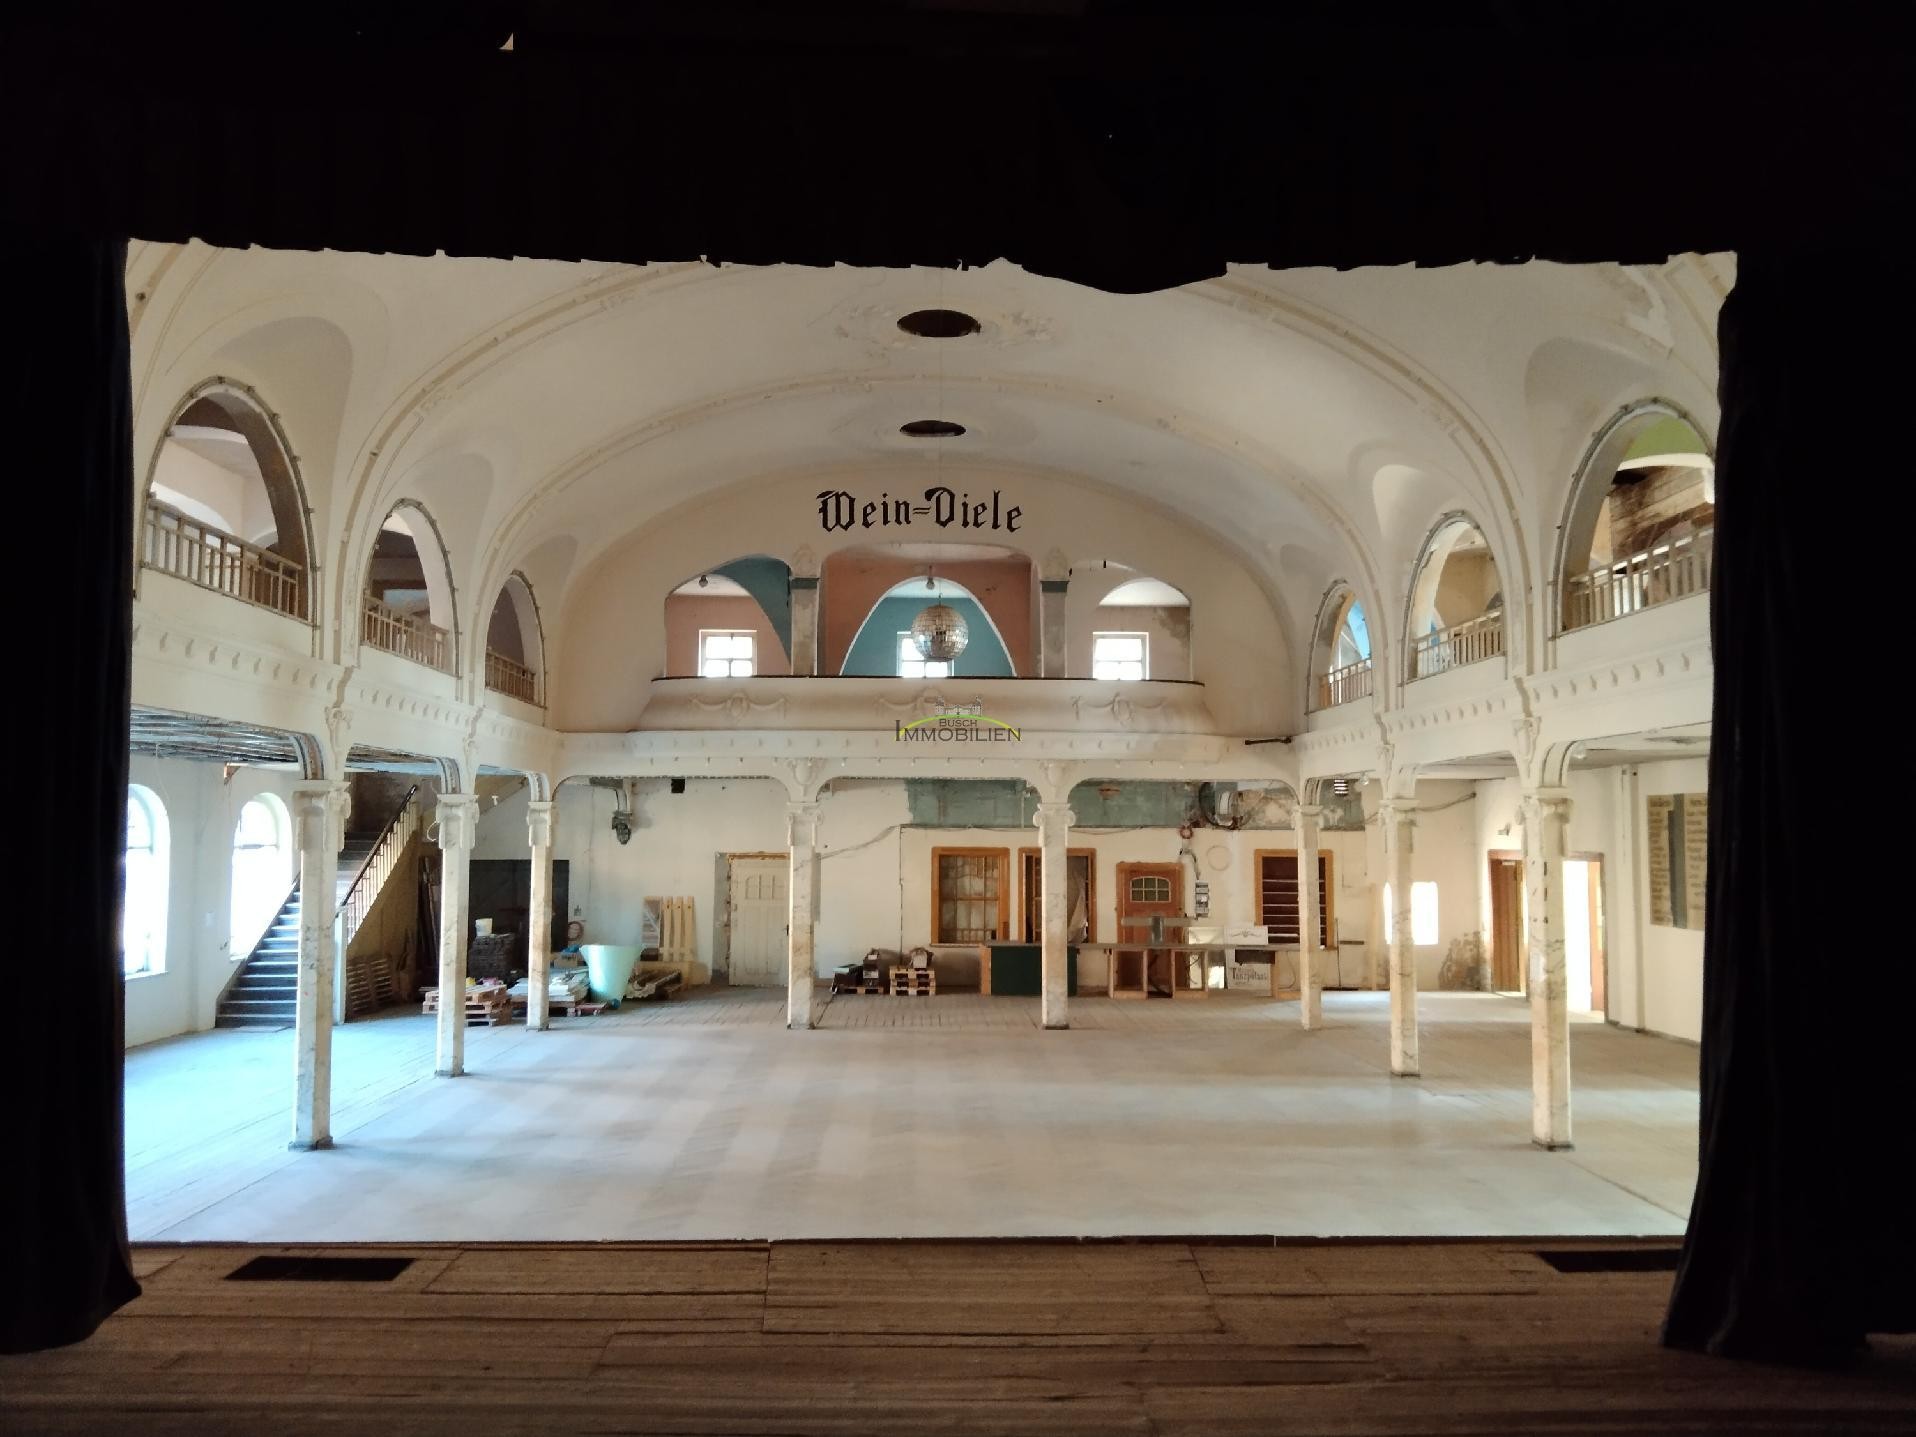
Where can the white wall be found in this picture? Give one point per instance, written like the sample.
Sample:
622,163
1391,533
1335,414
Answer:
202,807
874,887
1654,974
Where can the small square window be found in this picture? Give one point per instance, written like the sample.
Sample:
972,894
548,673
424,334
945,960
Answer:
1119,656
912,665
727,653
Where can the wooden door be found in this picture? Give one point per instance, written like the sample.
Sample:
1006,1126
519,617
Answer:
1145,889
1082,865
1507,946
760,918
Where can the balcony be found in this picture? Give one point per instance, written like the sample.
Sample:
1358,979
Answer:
407,635
1342,686
1658,575
511,678
176,544
1154,706
1471,642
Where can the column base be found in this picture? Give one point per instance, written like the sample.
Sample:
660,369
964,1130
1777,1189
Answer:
1551,1147
1056,1027
1406,1072
798,1027
449,1072
317,1145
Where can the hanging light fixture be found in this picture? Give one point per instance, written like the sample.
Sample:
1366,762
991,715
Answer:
939,632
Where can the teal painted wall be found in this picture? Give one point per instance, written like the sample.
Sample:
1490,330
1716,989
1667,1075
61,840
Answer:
768,581
874,653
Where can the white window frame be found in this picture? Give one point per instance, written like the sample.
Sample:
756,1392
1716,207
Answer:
911,666
154,876
731,661
1143,660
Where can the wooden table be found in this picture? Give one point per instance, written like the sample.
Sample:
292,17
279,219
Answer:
1161,970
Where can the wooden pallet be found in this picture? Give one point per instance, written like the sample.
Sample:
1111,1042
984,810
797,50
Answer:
369,985
860,989
914,983
485,1007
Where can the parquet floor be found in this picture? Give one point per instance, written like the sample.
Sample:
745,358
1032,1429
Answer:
798,1338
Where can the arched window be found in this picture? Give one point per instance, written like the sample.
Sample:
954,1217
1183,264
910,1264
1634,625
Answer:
732,621
1457,601
143,915
1141,628
1641,525
513,643
262,870
1341,663
224,508
408,604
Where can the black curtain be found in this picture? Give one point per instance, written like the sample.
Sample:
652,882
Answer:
68,421
1800,1234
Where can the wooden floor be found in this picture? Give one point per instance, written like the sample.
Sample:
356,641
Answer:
923,1337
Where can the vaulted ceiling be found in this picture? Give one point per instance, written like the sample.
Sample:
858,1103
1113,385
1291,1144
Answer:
1314,423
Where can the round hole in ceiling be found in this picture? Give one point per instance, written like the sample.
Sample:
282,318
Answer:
931,429
939,323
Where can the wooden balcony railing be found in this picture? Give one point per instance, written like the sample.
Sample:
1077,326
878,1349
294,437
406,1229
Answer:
1340,686
1674,570
510,677
177,544
408,635
384,856
1467,643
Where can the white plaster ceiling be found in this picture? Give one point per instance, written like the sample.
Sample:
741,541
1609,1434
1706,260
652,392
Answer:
1314,423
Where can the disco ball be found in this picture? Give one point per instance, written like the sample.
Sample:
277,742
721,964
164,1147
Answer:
939,632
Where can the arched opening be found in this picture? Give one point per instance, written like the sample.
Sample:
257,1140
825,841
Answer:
1641,526
408,603
1341,659
143,910
1141,628
731,621
223,506
908,634
1456,602
262,869
515,647
870,594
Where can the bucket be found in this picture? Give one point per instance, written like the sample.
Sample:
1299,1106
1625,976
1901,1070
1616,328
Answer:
608,968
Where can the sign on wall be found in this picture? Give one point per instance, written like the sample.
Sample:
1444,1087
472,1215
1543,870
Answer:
1679,833
941,508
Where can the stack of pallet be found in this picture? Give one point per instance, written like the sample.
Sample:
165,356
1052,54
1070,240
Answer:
913,983
486,1004
369,984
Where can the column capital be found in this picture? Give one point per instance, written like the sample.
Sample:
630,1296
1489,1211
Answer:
1309,812
801,824
539,823
457,816
1397,808
1546,804
1056,812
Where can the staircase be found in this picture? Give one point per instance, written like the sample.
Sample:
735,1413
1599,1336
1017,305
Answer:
262,994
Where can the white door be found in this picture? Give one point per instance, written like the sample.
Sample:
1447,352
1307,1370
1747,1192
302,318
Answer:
760,913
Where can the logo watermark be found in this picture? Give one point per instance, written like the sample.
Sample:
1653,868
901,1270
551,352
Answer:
965,723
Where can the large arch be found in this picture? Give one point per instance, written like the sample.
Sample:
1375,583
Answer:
222,483
1342,665
749,596
874,650
1658,423
1456,613
409,605
514,642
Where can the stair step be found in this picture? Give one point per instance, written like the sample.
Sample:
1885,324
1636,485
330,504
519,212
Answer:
257,1008
228,1020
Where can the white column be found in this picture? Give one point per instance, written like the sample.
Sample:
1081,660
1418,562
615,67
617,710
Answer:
318,817
1310,956
1051,629
804,592
456,814
1054,832
1546,819
539,916
802,833
1396,817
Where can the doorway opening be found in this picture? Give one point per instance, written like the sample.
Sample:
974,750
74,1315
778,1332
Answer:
758,919
1508,948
